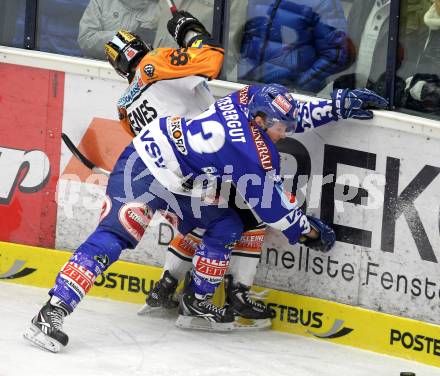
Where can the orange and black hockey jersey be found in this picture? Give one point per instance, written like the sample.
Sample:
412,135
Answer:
170,82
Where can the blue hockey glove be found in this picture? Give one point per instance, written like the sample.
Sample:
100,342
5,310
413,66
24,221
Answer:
326,239
353,103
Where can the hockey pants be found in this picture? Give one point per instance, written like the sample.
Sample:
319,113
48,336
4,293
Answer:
132,197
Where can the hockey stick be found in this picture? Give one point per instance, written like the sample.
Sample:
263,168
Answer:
83,159
172,6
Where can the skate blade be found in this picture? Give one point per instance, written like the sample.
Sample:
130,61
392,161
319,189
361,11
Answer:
200,323
147,310
37,337
250,324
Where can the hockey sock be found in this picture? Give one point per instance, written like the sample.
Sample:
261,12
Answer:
92,258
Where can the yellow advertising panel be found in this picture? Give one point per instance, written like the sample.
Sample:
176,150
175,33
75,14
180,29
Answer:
296,314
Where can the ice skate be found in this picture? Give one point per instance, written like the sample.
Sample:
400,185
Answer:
249,312
202,314
46,328
161,298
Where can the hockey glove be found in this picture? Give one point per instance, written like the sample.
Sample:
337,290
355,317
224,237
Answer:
326,238
353,103
181,23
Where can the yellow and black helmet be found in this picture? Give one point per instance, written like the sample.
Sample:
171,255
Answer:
124,51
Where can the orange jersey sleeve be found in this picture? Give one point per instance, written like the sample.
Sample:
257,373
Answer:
169,63
123,120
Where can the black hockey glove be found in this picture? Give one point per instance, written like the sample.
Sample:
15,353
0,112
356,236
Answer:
326,238
181,23
353,103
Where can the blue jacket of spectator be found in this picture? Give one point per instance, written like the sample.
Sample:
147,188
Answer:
58,23
288,42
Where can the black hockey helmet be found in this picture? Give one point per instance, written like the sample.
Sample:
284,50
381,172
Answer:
124,51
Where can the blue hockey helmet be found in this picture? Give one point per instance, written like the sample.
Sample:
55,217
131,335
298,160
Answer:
277,105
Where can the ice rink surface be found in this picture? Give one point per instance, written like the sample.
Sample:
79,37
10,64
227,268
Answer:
108,338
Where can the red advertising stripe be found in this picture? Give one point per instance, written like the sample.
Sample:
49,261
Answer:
31,102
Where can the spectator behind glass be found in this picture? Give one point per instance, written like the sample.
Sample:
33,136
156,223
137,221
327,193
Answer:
102,18
296,43
422,90
368,24
57,26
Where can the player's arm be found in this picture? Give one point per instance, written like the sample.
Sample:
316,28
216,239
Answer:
123,120
198,54
188,31
265,193
169,63
344,104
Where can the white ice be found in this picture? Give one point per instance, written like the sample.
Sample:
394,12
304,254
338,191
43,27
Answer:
108,338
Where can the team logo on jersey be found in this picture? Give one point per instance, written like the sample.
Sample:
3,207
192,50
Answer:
262,149
149,70
174,126
282,104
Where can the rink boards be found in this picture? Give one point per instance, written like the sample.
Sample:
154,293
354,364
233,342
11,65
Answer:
297,314
386,257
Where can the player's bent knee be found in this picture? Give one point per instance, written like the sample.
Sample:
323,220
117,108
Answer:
128,220
224,232
104,244
135,218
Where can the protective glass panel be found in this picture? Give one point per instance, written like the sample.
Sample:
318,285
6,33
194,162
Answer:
101,19
311,46
57,26
82,27
417,81
12,14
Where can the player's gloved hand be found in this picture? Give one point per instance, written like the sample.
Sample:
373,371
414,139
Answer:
354,103
181,23
326,238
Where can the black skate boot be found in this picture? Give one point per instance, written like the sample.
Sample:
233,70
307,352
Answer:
195,313
241,302
46,329
161,297
200,313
